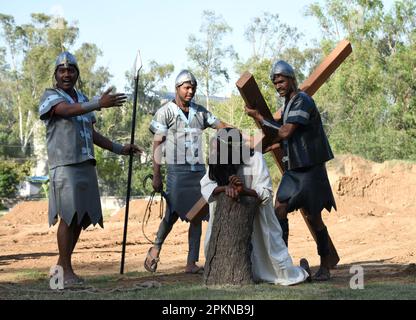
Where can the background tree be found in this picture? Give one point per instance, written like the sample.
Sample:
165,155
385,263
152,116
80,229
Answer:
208,54
8,143
115,123
271,39
370,102
368,106
33,49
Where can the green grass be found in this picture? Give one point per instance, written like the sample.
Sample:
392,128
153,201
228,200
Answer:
29,275
34,285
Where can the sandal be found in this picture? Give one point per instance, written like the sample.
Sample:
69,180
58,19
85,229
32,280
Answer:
195,270
304,264
322,274
153,262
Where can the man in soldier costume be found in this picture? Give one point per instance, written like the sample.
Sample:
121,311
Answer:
305,181
180,123
70,137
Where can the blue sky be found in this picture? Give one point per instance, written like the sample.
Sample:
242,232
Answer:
160,29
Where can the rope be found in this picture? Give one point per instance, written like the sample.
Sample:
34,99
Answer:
148,210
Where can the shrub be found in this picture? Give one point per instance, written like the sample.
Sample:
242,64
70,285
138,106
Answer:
11,174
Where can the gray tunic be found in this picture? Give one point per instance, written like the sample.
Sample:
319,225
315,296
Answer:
69,140
183,152
73,179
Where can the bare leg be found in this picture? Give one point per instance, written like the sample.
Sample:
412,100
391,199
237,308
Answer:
65,237
280,209
77,232
319,227
152,257
194,240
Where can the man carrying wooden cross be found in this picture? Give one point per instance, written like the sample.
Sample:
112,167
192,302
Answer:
305,181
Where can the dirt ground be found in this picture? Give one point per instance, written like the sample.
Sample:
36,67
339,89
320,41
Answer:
374,227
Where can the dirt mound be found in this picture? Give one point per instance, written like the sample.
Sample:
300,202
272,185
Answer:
352,186
388,185
349,165
36,212
137,210
27,212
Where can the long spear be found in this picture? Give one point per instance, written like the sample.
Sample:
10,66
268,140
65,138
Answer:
137,67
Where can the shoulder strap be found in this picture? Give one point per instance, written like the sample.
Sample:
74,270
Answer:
287,108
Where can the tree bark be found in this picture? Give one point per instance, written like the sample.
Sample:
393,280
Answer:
229,250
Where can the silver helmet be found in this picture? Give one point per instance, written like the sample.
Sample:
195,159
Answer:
185,76
66,59
283,68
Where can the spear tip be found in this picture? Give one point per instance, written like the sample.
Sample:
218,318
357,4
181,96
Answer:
137,64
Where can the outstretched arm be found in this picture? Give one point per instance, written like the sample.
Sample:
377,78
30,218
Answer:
107,100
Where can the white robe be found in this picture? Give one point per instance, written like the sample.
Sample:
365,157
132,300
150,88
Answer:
270,258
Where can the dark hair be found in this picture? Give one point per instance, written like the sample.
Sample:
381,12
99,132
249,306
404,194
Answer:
219,171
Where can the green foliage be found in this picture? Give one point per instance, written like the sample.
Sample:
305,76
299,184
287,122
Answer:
272,40
112,175
369,103
207,53
269,37
115,123
33,48
93,81
11,174
150,89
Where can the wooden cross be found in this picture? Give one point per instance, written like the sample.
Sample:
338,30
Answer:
252,96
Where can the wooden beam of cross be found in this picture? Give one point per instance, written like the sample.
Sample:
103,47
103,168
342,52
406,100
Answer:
252,96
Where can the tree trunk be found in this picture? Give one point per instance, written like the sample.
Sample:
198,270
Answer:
228,257
39,149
